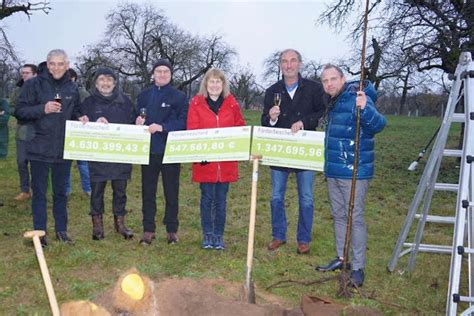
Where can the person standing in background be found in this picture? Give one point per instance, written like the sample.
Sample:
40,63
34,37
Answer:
82,165
23,134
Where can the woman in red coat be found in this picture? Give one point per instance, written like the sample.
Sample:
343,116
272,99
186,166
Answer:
214,107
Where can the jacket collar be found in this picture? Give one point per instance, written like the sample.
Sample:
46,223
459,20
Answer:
166,86
282,83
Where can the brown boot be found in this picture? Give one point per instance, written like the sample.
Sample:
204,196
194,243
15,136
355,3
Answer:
119,223
97,227
147,238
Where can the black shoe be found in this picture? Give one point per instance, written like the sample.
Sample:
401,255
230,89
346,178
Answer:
43,241
334,265
357,277
62,236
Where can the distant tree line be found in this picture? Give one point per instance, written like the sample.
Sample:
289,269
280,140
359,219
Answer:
412,46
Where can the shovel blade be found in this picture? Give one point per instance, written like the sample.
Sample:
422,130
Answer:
247,293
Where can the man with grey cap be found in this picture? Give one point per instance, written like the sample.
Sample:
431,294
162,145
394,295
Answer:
165,109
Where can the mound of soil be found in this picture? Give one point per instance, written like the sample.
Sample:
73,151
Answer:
183,297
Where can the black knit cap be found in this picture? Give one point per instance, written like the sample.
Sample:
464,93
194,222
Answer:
162,62
106,72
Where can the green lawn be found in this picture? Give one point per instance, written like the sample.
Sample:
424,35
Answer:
86,269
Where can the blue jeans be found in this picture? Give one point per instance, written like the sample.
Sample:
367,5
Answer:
304,180
83,168
213,207
39,186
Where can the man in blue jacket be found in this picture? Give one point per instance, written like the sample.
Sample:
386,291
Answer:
166,109
339,160
301,108
46,102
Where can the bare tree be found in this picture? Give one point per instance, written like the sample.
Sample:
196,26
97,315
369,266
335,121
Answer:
209,52
130,41
9,61
312,70
271,66
10,7
88,63
244,88
431,32
137,35
9,64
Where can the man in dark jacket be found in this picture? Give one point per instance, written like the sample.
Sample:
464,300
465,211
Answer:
166,109
23,132
108,105
46,102
297,103
339,162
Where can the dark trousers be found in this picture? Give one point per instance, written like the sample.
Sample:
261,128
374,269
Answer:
170,180
22,163
39,185
119,198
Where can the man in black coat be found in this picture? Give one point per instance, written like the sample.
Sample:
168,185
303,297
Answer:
46,102
107,104
296,103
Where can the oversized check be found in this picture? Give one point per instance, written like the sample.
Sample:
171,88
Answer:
122,143
214,144
280,147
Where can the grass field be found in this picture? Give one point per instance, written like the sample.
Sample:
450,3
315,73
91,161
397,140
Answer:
86,269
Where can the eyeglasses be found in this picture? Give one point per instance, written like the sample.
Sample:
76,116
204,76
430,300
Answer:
26,72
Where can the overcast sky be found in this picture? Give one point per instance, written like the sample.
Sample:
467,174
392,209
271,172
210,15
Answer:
254,29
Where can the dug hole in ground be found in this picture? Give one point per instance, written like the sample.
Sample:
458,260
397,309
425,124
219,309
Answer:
135,294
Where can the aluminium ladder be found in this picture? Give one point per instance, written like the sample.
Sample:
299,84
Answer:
463,226
462,87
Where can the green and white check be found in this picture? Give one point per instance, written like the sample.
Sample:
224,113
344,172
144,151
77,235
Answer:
123,143
214,144
280,147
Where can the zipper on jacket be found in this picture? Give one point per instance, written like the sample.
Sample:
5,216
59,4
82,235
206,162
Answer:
217,126
218,163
